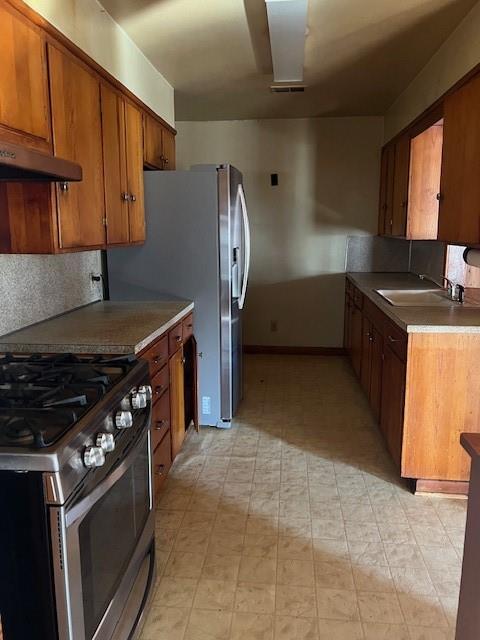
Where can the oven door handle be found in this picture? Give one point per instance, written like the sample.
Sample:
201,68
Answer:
79,510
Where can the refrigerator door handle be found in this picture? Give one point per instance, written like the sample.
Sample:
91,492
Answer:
246,229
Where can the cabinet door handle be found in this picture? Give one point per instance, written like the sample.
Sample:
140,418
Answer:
125,196
63,186
160,468
392,339
178,338
439,197
133,198
159,424
183,360
157,359
159,389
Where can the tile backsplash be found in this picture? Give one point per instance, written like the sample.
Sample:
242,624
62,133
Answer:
376,253
37,287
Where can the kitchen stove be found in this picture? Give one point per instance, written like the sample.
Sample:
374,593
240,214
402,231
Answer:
41,397
76,483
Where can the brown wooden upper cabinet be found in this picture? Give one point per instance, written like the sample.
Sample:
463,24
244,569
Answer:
159,145
24,111
410,183
77,136
459,218
123,168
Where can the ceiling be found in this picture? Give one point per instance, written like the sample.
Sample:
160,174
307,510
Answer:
359,54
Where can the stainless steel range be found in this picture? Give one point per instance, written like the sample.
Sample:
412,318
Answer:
77,522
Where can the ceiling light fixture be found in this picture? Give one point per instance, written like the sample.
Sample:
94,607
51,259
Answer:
287,24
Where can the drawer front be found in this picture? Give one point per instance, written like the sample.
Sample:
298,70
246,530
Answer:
160,419
358,298
187,327
175,338
162,461
160,383
157,355
396,339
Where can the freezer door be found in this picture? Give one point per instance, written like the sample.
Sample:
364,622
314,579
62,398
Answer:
232,270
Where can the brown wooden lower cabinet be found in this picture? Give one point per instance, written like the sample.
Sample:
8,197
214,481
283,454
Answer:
172,360
422,389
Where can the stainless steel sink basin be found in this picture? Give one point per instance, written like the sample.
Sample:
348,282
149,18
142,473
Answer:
416,297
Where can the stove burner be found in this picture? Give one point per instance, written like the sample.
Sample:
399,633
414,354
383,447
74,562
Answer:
42,396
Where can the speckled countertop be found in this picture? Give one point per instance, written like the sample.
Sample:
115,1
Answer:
101,327
455,318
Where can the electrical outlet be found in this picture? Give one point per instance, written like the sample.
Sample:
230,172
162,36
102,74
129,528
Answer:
273,326
206,405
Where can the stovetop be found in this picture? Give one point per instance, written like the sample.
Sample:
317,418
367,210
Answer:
42,396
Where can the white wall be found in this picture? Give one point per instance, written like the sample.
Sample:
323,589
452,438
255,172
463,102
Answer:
328,174
89,26
457,55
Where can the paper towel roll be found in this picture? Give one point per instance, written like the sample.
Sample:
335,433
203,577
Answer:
472,257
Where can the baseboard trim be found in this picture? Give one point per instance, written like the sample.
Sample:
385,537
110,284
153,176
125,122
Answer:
448,487
294,351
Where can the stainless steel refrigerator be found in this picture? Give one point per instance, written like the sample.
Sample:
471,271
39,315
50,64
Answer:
197,247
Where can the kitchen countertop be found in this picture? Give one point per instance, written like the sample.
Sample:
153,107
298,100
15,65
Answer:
453,319
101,327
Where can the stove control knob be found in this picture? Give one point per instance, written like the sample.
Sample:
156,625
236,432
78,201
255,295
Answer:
123,419
105,441
94,457
147,390
138,399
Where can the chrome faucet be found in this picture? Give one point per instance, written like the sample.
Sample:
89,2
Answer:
455,291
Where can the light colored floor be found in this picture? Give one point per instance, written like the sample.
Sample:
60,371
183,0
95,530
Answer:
293,525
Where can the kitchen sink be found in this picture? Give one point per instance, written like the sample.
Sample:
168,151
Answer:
416,297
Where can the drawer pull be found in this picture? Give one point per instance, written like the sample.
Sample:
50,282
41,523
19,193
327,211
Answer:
159,470
159,389
157,359
159,424
178,338
392,339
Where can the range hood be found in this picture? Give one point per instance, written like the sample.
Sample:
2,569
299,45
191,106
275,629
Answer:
21,164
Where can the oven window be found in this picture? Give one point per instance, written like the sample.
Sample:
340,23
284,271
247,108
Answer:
108,536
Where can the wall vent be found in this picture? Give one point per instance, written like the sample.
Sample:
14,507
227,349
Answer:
284,88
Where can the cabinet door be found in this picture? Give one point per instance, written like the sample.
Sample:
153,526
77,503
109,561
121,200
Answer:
424,183
366,363
387,168
356,339
168,148
23,81
393,402
134,148
346,323
77,136
376,372
153,150
400,186
177,406
459,212
115,166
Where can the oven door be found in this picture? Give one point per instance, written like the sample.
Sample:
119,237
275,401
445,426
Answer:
103,541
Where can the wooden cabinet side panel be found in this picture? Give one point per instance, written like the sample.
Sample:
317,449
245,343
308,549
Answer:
442,401
424,184
114,164
23,78
77,136
134,156
459,215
